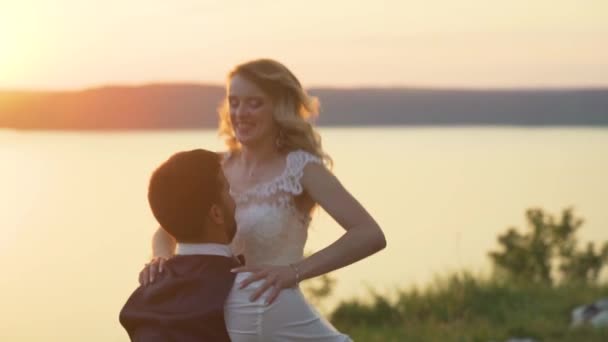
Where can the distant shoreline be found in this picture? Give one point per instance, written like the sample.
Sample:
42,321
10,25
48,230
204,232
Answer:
191,106
383,127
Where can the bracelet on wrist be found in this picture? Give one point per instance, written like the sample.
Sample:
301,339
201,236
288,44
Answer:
296,270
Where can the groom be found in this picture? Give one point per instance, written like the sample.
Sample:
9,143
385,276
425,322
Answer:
189,197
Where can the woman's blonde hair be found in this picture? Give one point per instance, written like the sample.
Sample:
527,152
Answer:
293,108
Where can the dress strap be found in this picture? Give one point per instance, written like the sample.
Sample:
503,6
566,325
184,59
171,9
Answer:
288,182
294,170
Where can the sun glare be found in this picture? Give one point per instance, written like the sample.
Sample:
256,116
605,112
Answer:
8,48
9,52
20,45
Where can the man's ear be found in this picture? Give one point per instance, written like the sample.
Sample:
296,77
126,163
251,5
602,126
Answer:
216,214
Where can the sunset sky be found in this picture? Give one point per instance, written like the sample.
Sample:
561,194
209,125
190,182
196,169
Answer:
72,44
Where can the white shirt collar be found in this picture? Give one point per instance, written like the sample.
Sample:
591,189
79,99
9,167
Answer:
204,249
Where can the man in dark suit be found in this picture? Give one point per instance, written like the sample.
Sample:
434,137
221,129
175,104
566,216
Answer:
189,197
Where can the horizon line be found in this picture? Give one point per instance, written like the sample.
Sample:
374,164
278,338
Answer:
316,87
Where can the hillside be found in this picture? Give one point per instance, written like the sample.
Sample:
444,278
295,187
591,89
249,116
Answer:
189,106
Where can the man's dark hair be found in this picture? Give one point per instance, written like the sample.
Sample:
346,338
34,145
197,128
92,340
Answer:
182,191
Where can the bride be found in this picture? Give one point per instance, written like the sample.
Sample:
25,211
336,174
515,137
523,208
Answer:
278,173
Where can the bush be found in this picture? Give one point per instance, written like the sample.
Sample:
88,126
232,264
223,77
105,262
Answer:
530,257
540,276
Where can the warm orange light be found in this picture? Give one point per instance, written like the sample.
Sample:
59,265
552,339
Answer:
19,49
76,44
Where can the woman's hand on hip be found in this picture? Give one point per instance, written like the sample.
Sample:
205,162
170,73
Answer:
276,278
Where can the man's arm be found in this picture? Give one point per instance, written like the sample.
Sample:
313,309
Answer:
163,244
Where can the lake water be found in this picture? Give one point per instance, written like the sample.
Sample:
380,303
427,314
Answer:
75,227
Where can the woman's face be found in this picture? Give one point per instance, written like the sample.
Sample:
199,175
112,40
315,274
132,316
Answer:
250,112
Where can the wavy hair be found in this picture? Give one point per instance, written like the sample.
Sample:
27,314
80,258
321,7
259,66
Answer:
293,108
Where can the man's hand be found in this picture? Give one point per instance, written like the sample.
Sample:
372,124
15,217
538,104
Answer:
151,271
276,278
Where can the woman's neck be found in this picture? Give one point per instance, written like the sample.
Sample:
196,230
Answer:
254,155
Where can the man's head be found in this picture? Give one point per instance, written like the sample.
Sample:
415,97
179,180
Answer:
189,196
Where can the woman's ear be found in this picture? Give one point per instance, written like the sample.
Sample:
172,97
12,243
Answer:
216,214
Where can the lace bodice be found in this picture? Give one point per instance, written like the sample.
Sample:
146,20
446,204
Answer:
270,229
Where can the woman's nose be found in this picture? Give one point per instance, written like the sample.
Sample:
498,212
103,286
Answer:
241,111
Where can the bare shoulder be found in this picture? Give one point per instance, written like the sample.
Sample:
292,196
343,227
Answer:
227,159
318,176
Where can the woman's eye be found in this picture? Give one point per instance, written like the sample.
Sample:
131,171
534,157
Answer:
233,103
254,103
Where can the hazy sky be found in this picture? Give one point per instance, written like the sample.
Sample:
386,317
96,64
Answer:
65,44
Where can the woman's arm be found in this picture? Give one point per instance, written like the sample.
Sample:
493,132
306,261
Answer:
163,244
163,247
363,236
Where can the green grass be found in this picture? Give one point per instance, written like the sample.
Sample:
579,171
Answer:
463,308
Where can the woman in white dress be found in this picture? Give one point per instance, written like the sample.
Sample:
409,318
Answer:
278,172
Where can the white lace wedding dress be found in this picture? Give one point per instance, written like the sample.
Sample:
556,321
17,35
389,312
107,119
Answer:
272,231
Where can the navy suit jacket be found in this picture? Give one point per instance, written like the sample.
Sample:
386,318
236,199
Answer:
185,304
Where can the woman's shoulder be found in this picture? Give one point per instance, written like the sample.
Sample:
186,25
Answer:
300,156
227,159
297,160
227,156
